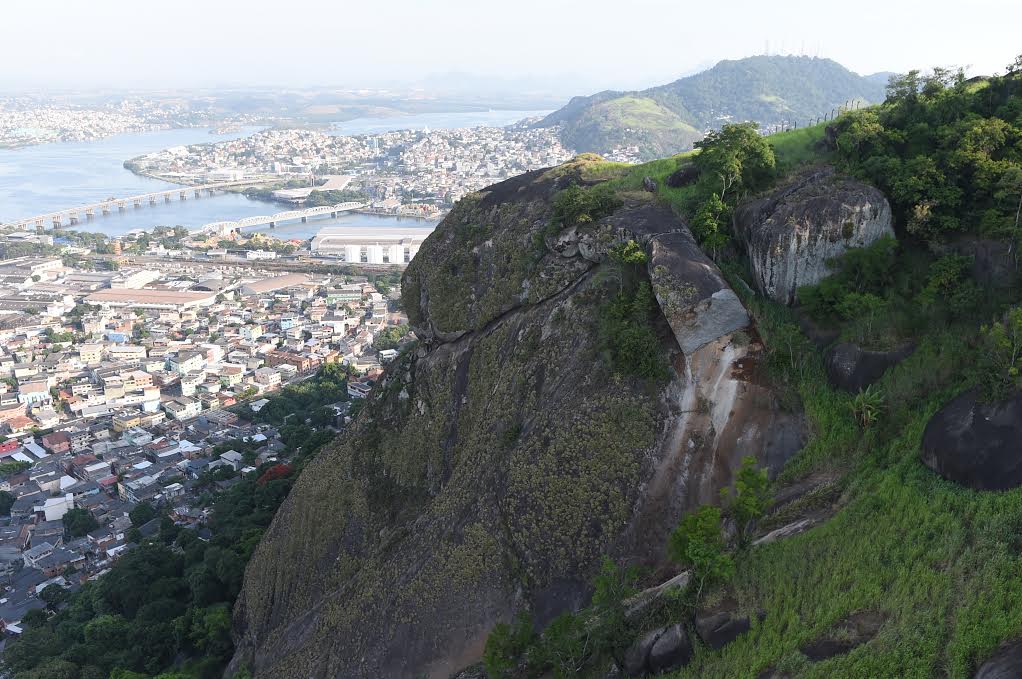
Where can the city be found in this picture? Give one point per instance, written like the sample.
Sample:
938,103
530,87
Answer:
409,171
128,392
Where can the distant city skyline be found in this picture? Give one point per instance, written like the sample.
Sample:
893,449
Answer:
546,46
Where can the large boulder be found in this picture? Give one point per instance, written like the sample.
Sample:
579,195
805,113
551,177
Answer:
852,368
660,650
1006,663
637,655
672,650
696,300
976,444
721,625
791,233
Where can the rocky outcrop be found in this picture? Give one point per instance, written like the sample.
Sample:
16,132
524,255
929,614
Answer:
661,650
976,444
852,368
847,634
721,624
683,176
792,233
1006,663
695,299
491,469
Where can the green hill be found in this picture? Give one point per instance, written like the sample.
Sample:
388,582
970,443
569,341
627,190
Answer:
670,118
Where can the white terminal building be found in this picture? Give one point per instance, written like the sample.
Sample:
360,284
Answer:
376,245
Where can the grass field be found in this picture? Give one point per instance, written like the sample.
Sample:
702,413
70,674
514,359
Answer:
941,562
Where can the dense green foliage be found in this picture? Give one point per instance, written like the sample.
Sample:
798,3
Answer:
946,152
750,497
573,644
627,332
329,385
732,163
8,469
1001,359
698,542
79,522
578,205
333,197
389,337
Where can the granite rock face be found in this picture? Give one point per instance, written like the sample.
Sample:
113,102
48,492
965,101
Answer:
976,444
695,299
791,233
492,468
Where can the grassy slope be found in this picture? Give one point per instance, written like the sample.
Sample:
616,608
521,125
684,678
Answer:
941,560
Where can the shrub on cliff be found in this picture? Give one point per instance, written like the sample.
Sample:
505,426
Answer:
699,542
578,205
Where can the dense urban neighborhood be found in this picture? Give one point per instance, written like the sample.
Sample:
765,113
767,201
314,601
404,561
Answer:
431,168
131,399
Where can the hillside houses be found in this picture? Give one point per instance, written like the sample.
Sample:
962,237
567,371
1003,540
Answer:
107,406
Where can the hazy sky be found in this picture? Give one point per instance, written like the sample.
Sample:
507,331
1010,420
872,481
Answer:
589,44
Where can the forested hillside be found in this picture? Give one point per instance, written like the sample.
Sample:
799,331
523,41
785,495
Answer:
670,118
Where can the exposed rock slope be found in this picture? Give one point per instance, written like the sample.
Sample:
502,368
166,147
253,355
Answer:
494,466
791,233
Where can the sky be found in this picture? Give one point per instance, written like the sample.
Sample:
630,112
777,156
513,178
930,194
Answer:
569,46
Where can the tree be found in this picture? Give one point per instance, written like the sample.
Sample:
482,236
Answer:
506,644
612,587
578,206
79,522
34,618
54,595
751,495
1001,362
737,159
142,514
708,225
1015,66
6,502
699,542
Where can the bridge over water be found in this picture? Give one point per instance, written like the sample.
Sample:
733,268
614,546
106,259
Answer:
74,215
228,227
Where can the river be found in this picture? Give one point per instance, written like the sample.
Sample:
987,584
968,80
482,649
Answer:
47,177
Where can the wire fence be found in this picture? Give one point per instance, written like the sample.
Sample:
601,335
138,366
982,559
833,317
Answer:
786,125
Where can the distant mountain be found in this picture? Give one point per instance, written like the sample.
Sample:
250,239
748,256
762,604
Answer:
670,118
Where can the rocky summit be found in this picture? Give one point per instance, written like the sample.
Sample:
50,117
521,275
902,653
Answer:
497,463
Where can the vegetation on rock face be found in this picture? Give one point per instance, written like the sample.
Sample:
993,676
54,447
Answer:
698,542
749,499
579,205
626,320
